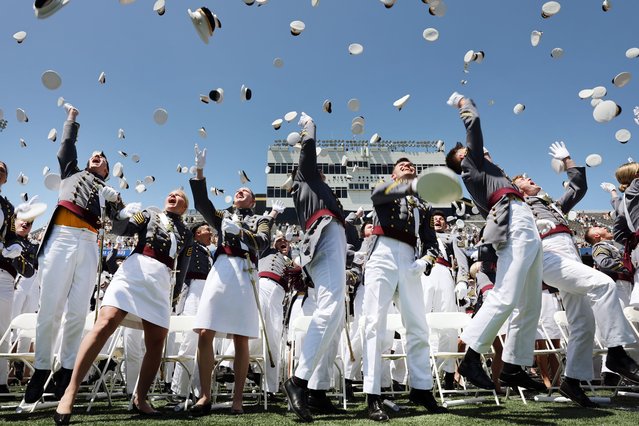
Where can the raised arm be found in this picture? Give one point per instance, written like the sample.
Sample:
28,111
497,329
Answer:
68,154
308,156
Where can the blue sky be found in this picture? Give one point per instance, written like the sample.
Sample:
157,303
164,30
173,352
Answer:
155,61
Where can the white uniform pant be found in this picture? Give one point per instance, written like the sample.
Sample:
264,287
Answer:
68,268
388,277
6,301
624,290
439,296
588,296
134,349
517,291
327,270
180,384
352,369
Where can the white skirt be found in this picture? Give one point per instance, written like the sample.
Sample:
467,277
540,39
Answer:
227,305
141,287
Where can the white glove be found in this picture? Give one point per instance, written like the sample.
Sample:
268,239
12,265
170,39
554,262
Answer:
454,99
200,157
608,187
544,225
278,206
461,290
230,227
360,212
289,234
109,194
129,210
304,119
418,267
460,209
13,251
558,150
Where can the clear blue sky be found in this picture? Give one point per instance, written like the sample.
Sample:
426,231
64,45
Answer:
155,61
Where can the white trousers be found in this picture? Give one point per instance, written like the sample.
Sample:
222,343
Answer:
439,296
327,269
589,296
134,349
352,369
387,277
6,302
517,291
67,271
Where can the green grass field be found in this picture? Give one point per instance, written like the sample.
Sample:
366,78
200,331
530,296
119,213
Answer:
622,411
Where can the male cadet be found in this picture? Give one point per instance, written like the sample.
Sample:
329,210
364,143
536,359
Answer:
403,232
511,229
587,294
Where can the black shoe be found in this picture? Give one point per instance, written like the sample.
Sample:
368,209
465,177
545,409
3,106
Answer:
426,398
576,394
320,403
473,371
61,419
18,370
35,387
62,378
297,398
624,366
375,410
4,389
523,380
398,387
610,379
199,410
449,381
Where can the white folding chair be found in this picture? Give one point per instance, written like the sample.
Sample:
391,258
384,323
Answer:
454,321
23,325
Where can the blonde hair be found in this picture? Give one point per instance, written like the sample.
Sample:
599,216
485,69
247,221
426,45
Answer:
625,174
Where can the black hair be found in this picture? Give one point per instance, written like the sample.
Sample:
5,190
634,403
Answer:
451,159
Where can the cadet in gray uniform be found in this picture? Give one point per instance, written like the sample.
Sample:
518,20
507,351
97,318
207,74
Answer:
511,229
227,305
323,256
588,295
68,258
403,231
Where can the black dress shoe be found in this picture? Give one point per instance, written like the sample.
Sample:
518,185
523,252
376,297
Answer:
473,371
35,387
62,378
523,380
199,410
449,381
624,366
322,404
375,410
61,419
575,393
426,398
610,379
297,398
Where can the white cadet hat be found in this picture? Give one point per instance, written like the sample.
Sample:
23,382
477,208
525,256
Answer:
595,101
121,134
375,138
293,138
45,170
23,143
277,123
140,187
621,79
20,36
123,183
29,211
623,135
51,79
599,92
160,116
535,37
593,160
437,8
632,53
278,63
123,154
217,95
549,9
439,185
585,93
135,158
243,177
53,135
557,53
519,108
327,106
204,22
21,115
204,99
606,5
52,181
353,104
202,132
245,93
297,27
355,49
430,34
160,7
118,170
22,179
45,8
315,3
290,116
388,3
148,180
399,103
216,191
606,111
102,78
60,101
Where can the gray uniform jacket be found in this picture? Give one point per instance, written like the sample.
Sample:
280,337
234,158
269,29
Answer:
154,240
609,260
79,189
256,230
482,177
543,208
630,198
276,266
452,251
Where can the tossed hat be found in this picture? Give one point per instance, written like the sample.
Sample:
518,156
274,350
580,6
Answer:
22,179
159,7
243,177
535,37
148,180
290,116
439,185
519,108
52,181
24,196
140,187
245,93
135,158
278,63
160,116
45,8
399,103
123,183
23,143
593,160
204,99
293,138
357,128
606,111
606,5
327,106
51,79
53,135
353,104
623,135
297,27
123,154
388,3
277,123
121,134
28,212
21,115
430,34
621,79
599,92
437,8
557,53
118,170
288,183
45,170
20,36
315,3
60,101
204,22
217,95
202,132
102,78
217,191
375,138
355,49
549,9
585,93
249,2
632,53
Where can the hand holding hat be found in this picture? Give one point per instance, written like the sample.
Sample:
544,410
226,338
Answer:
545,225
72,111
278,206
230,227
304,120
608,187
129,210
559,151
200,157
13,251
360,212
109,194
455,99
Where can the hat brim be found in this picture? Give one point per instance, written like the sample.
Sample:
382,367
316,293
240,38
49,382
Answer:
52,181
200,25
48,10
439,186
35,210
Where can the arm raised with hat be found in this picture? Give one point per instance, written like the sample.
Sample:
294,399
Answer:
68,154
577,185
308,156
200,197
